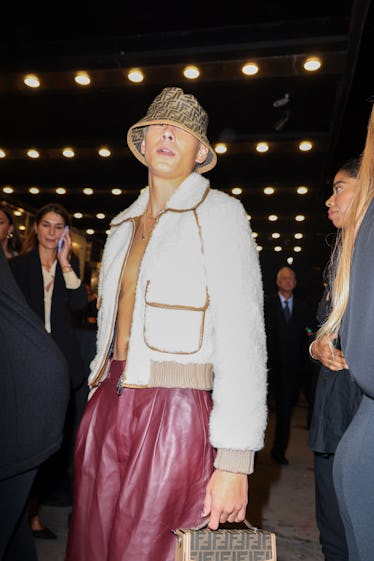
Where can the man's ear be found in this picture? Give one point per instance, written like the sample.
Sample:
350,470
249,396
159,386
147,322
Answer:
202,154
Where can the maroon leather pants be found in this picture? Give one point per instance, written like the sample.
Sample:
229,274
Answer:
142,463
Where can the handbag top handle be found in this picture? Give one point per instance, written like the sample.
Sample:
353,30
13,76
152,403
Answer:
205,523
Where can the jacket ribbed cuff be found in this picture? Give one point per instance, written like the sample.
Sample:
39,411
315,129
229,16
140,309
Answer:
236,461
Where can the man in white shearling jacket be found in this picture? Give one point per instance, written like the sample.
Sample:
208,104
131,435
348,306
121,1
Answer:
178,401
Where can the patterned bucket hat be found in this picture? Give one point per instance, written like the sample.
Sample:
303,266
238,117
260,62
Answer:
173,107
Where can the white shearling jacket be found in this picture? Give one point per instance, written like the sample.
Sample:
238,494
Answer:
198,312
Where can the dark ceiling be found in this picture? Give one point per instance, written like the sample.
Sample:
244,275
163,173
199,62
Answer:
329,107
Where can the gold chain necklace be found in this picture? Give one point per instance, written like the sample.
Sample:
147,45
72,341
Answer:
144,221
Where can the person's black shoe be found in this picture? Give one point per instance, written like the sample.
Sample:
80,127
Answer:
44,534
280,458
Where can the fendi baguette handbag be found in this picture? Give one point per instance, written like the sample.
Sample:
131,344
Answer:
225,544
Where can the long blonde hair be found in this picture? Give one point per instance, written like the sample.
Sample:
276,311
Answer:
342,254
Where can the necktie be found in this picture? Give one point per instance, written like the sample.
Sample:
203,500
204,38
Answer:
287,313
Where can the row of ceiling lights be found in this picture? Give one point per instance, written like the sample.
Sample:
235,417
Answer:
104,152
191,72
277,248
269,190
102,216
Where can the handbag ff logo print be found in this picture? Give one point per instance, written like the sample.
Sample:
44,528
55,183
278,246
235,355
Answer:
230,546
203,544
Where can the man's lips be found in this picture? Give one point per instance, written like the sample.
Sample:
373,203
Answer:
165,151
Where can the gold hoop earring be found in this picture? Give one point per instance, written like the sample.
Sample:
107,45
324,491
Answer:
10,235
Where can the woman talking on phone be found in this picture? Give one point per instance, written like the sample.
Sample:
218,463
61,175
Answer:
47,272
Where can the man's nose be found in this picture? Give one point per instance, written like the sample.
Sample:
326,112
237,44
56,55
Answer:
168,132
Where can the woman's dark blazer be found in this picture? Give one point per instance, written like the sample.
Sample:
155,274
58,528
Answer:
34,383
27,270
337,398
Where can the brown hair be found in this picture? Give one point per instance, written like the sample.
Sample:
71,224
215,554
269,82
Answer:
14,243
31,240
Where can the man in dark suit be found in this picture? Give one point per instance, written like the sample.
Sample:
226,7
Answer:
288,322
33,401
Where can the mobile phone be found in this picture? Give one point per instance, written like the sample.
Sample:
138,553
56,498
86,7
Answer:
61,241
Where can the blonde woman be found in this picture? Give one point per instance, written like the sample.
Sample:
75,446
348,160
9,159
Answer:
337,396
352,317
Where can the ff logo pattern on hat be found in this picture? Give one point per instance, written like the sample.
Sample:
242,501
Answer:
173,107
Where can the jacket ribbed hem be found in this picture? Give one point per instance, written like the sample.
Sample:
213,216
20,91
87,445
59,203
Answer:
176,375
236,461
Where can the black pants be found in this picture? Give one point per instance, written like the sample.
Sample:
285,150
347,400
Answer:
329,522
16,539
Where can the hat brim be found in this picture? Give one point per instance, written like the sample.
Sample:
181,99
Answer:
135,136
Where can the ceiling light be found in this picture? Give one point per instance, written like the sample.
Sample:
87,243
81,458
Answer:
269,190
305,146
135,75
302,190
116,191
2,153
68,152
312,64
88,191
262,147
60,190
250,69
33,153
104,152
34,190
297,249
290,260
107,232
259,248
17,213
100,215
8,189
90,231
236,190
78,215
220,148
249,216
278,248
255,234
22,227
82,78
300,218
298,235
272,217
275,235
191,72
32,81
